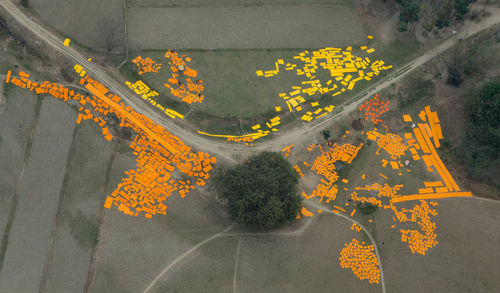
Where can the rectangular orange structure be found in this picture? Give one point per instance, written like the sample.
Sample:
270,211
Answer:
426,190
433,184
431,196
7,79
421,141
441,189
130,117
108,202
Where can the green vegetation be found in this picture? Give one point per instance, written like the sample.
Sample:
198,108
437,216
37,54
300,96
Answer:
325,133
448,10
465,61
83,229
25,3
261,192
367,208
452,9
409,13
480,145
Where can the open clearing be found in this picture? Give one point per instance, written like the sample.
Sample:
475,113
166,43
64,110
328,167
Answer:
307,262
232,87
29,238
465,260
240,27
82,199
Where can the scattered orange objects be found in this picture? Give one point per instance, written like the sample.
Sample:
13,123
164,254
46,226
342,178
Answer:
297,169
418,242
324,165
159,153
355,227
361,259
146,65
187,90
374,108
391,143
286,150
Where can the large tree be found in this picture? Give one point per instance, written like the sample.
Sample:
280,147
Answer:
261,192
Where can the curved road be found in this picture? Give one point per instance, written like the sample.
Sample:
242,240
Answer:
225,149
229,150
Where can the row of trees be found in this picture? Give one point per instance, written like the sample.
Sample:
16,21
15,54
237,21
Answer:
448,10
452,9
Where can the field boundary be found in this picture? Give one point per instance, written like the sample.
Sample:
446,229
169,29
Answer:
100,222
291,3
45,271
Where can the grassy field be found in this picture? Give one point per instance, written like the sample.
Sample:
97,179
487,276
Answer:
240,27
81,20
17,115
29,238
82,199
232,87
233,90
271,263
465,260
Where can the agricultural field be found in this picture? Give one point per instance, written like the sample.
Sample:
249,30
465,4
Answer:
39,192
17,119
239,27
87,22
245,3
76,233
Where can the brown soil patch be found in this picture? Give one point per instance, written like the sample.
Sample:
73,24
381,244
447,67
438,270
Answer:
357,125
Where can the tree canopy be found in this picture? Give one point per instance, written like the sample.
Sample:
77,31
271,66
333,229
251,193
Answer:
261,192
479,147
483,127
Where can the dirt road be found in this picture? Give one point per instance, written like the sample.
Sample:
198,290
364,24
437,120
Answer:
226,150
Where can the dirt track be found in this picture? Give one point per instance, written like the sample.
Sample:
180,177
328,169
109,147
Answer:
231,151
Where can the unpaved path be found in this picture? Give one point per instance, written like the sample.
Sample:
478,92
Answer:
382,282
226,150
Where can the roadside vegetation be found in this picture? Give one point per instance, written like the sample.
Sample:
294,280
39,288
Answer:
441,16
261,192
